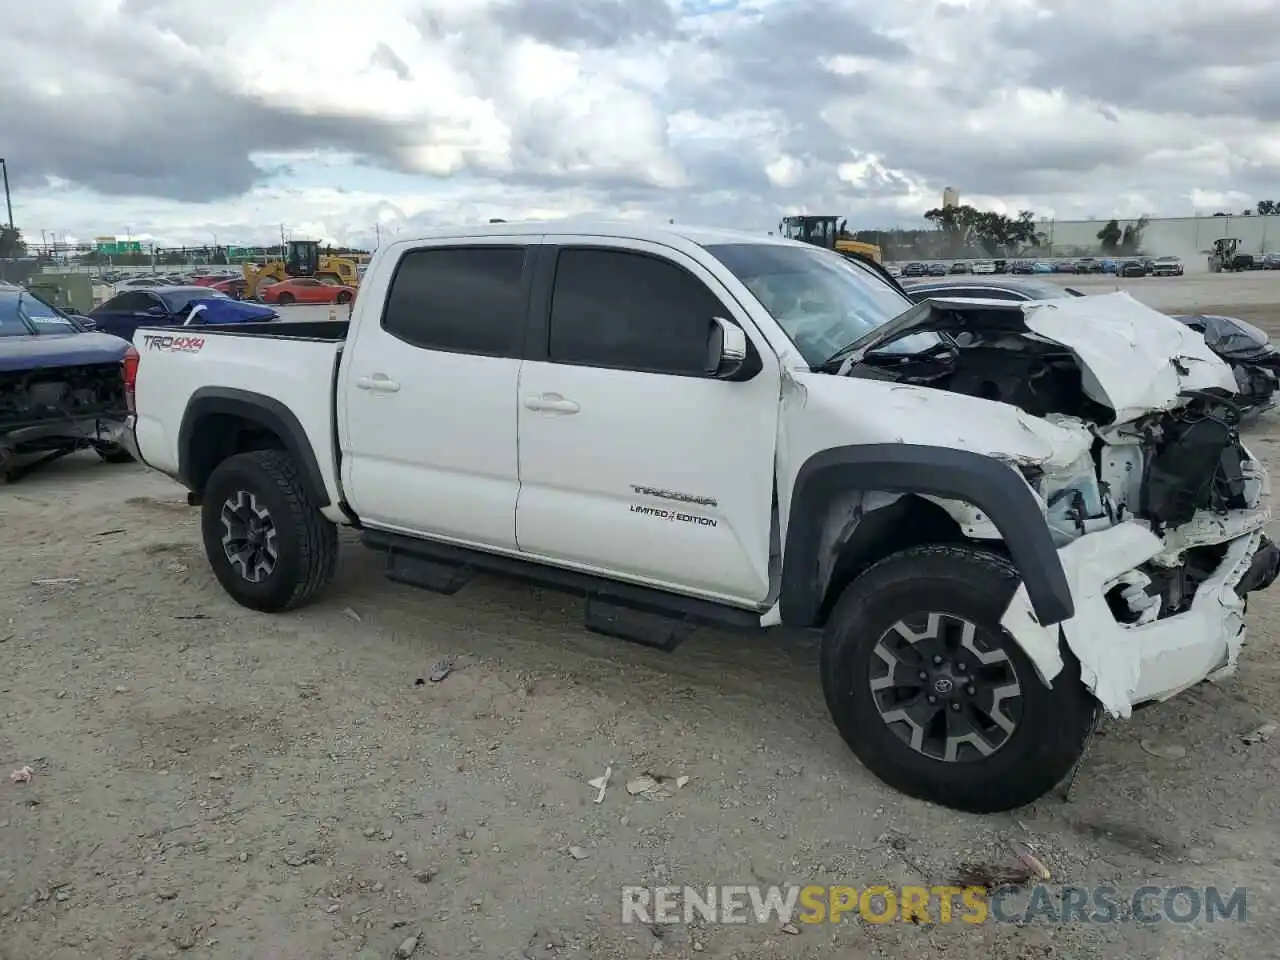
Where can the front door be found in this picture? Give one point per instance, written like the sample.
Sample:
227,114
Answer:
633,461
427,397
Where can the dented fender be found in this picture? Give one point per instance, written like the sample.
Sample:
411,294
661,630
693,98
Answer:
992,486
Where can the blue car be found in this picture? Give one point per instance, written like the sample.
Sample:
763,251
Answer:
61,386
124,313
1041,267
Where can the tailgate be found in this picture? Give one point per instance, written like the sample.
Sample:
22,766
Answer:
285,367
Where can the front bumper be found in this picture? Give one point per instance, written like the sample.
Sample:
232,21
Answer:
1128,664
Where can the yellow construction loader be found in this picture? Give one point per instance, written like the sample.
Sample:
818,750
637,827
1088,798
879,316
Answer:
829,232
302,259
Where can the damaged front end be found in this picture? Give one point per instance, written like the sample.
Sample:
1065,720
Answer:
48,412
1157,506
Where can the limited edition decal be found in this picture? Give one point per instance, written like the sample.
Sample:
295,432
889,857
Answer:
172,344
672,516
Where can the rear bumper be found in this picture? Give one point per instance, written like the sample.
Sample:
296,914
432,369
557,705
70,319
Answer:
128,438
57,433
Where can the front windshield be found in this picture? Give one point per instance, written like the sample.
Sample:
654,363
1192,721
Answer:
823,301
26,314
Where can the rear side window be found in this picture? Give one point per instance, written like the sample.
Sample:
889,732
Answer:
627,310
460,300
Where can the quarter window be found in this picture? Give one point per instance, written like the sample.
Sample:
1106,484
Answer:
627,310
460,300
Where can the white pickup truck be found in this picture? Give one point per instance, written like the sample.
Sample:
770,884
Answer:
1005,517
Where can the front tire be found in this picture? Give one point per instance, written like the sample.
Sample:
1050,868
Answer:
268,544
935,698
284,299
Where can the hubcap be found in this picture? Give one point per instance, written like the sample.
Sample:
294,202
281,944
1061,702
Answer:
945,688
248,537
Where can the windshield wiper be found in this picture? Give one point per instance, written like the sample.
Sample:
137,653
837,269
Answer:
833,363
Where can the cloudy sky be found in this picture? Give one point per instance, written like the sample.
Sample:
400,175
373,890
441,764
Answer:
181,120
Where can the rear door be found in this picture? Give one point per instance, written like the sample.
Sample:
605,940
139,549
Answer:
427,394
634,462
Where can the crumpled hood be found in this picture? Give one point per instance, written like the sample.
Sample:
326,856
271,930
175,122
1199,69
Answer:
60,350
1136,360
1133,359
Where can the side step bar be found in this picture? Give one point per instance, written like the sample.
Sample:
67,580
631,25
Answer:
641,615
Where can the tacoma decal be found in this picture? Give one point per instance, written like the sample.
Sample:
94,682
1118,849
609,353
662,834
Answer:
674,495
673,516
172,344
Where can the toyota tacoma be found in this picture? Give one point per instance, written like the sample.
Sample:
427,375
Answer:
1005,518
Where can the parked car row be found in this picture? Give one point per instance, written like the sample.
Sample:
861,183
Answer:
1127,267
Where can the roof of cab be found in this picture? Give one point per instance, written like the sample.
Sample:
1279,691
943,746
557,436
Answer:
664,233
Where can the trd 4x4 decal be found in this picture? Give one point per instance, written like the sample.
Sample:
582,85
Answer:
172,344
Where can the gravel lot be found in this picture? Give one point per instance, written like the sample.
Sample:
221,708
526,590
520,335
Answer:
216,783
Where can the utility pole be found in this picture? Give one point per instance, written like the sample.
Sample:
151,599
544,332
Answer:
377,232
8,201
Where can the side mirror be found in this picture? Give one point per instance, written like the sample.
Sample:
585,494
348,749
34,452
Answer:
726,349
155,310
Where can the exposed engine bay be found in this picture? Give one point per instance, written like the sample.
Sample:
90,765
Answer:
49,412
1178,466
43,396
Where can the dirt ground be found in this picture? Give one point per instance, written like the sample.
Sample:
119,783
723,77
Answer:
216,783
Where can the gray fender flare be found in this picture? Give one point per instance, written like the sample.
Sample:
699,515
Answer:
989,484
265,412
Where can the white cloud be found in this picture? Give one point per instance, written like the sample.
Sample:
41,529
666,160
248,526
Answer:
182,120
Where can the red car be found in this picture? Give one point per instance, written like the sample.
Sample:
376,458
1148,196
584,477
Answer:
234,287
306,290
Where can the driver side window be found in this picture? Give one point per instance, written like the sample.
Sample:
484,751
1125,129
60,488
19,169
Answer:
631,311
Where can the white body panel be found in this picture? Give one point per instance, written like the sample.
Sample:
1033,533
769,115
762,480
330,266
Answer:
579,470
428,437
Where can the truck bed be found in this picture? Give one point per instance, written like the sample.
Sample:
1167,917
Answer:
328,331
285,369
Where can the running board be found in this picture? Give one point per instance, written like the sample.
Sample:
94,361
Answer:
654,618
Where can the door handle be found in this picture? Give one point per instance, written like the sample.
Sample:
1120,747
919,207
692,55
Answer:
552,403
379,383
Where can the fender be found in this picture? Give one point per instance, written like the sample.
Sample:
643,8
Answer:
989,484
266,412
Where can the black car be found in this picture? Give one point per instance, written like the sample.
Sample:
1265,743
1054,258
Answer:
937,269
960,267
1132,268
1253,358
915,270
989,288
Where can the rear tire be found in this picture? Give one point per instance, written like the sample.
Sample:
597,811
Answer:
284,299
268,544
926,623
343,297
